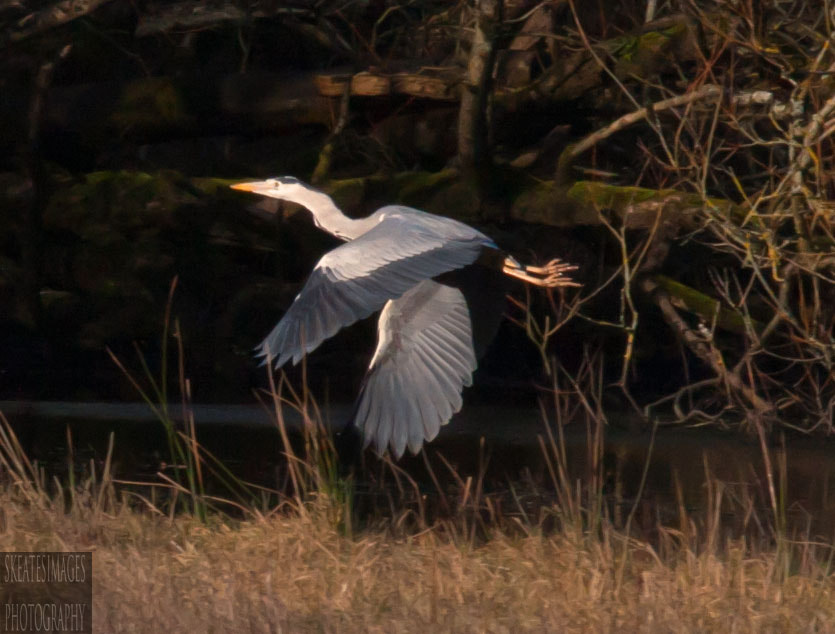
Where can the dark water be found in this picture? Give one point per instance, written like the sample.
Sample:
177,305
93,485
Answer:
501,448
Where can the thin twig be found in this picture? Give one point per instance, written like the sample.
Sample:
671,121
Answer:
708,91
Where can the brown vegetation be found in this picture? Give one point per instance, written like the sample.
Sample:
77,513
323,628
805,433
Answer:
299,573
300,567
309,557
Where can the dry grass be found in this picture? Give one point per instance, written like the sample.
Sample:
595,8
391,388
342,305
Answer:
296,572
161,565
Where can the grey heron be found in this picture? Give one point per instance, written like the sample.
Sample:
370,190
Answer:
398,260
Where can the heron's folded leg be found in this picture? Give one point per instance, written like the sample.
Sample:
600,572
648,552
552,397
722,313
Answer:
513,263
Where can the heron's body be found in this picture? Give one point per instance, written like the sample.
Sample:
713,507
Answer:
397,260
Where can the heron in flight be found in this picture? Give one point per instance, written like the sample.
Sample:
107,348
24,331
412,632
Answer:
429,275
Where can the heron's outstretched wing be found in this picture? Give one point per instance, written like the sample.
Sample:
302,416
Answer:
424,358
359,277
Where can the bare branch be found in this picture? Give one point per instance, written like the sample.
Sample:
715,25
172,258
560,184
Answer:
51,17
707,91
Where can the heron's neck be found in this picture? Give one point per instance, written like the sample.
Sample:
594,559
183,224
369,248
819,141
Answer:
328,216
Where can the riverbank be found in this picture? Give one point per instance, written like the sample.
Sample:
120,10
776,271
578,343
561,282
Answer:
299,572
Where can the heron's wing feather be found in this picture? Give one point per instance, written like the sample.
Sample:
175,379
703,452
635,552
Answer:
359,277
424,358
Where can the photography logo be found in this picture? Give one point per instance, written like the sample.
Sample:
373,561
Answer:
46,592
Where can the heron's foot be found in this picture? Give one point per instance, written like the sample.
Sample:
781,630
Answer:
545,280
558,279
554,267
552,275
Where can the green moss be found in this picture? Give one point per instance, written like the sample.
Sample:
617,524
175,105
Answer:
213,186
348,193
624,47
409,188
108,203
638,53
657,41
94,179
536,204
414,187
642,204
458,199
705,306
152,101
613,196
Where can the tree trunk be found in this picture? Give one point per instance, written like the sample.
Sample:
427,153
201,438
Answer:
473,115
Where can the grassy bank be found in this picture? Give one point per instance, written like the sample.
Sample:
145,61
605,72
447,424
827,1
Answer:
170,556
294,571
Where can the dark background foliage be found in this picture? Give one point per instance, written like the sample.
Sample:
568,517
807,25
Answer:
701,224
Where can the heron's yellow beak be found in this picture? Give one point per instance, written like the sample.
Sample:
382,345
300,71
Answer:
245,187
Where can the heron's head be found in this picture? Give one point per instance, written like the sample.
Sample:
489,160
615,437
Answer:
287,188
325,214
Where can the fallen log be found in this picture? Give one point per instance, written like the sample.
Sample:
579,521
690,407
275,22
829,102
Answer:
442,85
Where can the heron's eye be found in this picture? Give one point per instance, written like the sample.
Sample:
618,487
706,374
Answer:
272,183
